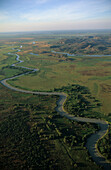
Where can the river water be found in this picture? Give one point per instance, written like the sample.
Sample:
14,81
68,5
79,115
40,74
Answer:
70,55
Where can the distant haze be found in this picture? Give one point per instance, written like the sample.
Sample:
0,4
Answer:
41,15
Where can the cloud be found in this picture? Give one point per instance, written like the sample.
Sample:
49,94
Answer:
72,11
63,12
4,16
49,14
41,1
58,25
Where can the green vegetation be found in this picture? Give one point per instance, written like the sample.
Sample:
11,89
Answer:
32,134
57,70
105,145
96,44
80,102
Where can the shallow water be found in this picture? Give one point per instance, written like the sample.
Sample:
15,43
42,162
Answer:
82,55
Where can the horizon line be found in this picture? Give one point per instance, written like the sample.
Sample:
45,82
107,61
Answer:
96,29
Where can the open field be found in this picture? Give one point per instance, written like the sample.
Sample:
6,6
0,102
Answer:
57,138
57,70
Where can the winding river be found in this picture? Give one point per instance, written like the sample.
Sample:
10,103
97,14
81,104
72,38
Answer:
86,55
91,144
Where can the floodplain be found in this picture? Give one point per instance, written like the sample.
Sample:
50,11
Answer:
31,120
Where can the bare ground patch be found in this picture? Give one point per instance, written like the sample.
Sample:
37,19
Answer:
95,73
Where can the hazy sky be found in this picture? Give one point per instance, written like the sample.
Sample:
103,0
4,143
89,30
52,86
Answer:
34,15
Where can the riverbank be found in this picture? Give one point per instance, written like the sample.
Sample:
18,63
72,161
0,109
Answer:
92,141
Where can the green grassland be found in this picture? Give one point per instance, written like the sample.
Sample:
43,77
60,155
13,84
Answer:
57,70
29,123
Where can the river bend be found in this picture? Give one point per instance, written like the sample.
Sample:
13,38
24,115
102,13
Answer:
91,144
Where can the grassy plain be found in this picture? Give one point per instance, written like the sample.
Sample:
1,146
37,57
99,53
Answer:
57,70
35,117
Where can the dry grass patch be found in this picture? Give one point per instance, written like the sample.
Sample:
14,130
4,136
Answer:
95,73
106,64
105,88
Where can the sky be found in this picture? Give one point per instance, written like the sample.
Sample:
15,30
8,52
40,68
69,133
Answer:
43,15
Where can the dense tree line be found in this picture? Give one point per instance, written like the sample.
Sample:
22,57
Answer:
77,103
